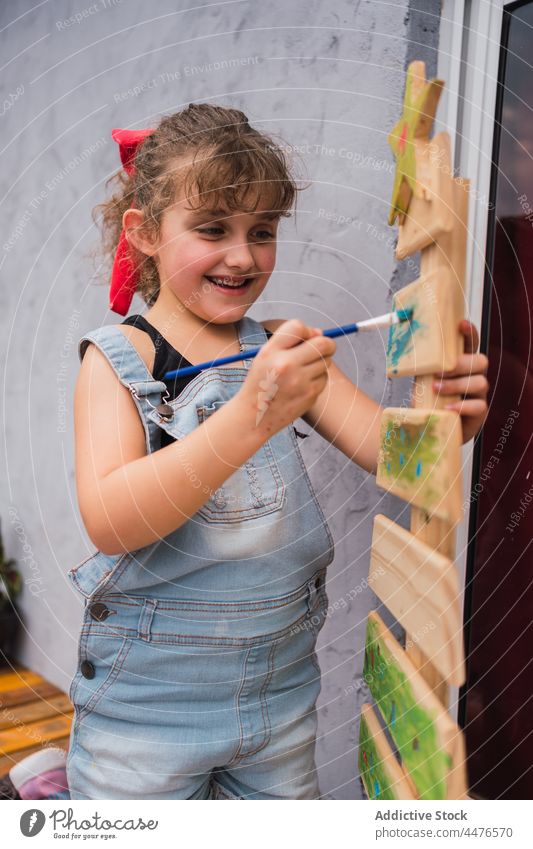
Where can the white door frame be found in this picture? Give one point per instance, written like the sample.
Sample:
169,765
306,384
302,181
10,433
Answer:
468,61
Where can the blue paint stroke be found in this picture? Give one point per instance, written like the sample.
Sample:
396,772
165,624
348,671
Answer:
419,468
400,341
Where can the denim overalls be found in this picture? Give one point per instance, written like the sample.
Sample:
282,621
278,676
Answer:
197,675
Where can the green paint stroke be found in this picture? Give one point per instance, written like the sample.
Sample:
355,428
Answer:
401,338
373,775
409,453
413,729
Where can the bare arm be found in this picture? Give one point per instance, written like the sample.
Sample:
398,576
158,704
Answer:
345,416
129,499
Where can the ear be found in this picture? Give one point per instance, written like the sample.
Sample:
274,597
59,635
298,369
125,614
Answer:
132,223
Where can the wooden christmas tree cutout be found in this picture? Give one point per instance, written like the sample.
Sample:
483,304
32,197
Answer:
419,107
413,573
430,213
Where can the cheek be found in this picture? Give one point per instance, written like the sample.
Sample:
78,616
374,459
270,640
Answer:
195,257
266,256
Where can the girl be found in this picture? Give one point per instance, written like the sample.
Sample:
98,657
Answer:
197,674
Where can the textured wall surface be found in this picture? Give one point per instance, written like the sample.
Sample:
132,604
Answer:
325,77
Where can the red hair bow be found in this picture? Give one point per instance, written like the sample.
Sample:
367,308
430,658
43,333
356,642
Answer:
124,276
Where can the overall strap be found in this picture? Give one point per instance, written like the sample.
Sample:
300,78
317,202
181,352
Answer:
252,334
131,370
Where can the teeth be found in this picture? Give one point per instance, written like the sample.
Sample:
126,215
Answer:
227,282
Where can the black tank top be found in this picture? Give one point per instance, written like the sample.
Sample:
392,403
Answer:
168,359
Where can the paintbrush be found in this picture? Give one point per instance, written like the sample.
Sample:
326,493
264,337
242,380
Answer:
386,320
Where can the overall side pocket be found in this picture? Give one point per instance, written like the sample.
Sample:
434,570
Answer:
101,659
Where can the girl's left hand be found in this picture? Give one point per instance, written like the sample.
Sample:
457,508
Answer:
468,380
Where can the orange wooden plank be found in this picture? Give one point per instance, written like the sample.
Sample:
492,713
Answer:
33,711
24,736
23,695
11,680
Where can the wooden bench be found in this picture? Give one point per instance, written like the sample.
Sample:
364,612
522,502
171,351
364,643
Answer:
33,714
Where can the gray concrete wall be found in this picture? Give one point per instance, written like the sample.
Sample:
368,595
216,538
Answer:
328,77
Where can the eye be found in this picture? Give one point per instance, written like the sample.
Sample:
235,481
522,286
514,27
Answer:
264,235
210,231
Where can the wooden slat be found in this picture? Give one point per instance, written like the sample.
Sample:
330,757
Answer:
421,589
23,695
428,671
33,711
24,736
435,532
449,253
423,732
33,715
380,772
12,680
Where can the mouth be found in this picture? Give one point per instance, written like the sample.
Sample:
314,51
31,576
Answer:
231,284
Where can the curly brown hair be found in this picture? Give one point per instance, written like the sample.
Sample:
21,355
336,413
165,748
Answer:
232,166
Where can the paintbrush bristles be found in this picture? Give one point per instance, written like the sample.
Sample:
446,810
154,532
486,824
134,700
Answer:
385,320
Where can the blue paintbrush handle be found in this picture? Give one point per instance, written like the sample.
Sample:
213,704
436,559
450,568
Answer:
188,370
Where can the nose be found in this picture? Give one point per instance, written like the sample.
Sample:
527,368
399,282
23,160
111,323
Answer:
239,256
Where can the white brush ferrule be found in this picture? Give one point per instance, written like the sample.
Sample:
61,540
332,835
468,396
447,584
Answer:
380,321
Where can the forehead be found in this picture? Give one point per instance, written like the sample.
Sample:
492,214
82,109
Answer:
219,213
210,185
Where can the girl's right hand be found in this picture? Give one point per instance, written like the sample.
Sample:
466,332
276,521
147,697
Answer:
286,376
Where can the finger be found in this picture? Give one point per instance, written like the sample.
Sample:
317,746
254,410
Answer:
291,333
471,335
318,367
473,407
467,364
318,348
476,384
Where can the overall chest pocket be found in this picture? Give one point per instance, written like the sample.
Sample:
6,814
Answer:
255,489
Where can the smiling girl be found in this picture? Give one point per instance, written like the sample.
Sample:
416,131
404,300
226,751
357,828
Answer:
197,674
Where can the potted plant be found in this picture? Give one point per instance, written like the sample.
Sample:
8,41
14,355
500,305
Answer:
10,587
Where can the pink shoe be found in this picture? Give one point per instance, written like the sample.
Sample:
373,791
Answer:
41,775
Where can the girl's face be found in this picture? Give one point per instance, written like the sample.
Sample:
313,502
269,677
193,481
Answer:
214,262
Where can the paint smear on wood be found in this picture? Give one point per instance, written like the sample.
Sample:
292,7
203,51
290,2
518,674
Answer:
374,777
409,452
401,335
411,727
